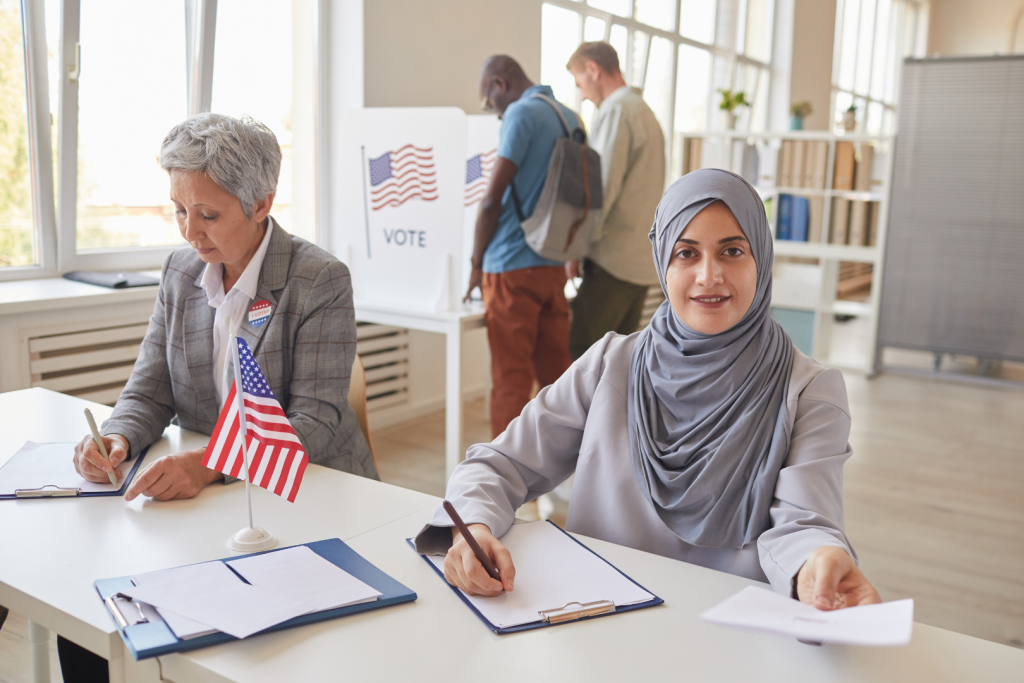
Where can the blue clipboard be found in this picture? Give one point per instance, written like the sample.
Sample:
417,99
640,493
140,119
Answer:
540,623
147,640
47,492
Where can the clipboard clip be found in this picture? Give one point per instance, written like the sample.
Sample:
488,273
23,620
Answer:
113,604
48,491
585,609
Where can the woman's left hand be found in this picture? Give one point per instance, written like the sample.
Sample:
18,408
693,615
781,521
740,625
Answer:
830,580
180,475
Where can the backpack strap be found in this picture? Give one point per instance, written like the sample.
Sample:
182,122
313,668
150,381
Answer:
561,117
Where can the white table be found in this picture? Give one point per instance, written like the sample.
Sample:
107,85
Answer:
52,550
452,324
437,638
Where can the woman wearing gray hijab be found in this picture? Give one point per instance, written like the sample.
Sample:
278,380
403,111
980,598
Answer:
706,437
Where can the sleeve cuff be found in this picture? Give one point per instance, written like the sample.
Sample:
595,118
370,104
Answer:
781,562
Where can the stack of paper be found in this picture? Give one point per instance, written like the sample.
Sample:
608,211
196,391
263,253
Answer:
203,598
552,570
759,609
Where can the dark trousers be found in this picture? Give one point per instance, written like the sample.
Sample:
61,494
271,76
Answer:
78,665
603,304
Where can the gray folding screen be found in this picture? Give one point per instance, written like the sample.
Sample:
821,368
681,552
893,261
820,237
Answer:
954,261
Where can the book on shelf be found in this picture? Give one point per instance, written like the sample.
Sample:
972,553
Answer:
842,175
691,154
768,164
799,162
865,165
784,227
858,223
815,215
798,225
750,164
873,226
840,220
817,161
785,172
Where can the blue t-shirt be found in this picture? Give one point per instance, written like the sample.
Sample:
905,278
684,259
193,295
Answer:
529,130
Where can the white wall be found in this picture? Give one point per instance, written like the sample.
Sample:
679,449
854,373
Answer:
814,27
974,27
428,53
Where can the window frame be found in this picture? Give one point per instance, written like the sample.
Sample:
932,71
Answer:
898,18
736,59
40,151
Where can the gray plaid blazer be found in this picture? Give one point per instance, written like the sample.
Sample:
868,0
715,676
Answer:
305,351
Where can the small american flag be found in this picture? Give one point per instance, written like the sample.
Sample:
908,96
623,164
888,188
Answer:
407,173
276,458
478,172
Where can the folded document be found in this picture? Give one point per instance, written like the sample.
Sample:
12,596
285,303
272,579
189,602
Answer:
759,609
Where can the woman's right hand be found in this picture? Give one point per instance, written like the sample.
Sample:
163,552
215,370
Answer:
463,570
92,466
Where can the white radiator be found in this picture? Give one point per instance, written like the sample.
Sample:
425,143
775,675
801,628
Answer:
92,364
95,364
384,351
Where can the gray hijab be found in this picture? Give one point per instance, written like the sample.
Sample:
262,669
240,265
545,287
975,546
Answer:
707,415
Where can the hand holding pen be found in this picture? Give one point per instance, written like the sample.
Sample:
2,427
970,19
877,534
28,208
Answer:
477,562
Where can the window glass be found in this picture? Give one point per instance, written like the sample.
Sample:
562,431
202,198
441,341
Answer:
881,49
658,81
559,38
759,104
874,119
620,7
258,83
865,40
843,101
619,40
122,191
17,231
697,20
639,59
848,44
657,13
694,67
757,36
593,29
51,9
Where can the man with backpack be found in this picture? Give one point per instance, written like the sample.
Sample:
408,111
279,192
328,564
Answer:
527,314
618,270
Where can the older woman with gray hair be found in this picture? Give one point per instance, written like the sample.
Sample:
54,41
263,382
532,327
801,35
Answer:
241,274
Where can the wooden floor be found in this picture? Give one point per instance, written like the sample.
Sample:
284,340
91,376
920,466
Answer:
934,497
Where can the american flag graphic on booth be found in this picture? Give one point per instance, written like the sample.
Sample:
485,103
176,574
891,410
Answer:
478,172
277,460
407,173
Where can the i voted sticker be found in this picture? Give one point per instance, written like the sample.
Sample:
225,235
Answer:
259,313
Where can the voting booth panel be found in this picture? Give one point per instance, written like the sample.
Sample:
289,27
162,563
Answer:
481,156
402,196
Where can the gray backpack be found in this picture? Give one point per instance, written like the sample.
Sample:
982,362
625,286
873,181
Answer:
570,202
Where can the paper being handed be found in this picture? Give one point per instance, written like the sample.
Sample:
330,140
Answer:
759,609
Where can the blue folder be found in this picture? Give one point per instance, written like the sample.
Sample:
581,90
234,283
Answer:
541,623
785,226
153,639
46,492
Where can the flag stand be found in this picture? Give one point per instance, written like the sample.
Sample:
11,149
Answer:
249,539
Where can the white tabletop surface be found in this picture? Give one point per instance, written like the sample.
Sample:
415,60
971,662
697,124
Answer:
51,550
437,638
464,310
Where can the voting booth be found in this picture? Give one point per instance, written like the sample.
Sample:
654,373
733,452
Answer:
410,178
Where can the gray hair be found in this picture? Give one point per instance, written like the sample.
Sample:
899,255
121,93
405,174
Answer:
241,155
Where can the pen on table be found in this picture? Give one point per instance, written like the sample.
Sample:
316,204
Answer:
477,550
99,444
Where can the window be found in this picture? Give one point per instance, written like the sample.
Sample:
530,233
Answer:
18,234
872,38
679,52
108,79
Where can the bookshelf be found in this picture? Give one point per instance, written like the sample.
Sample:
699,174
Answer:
812,287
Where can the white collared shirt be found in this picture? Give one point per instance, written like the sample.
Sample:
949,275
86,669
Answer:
231,310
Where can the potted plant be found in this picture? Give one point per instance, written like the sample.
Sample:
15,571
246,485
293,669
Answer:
729,103
798,112
850,119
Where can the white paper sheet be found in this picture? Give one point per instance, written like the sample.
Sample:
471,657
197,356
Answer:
759,609
37,464
552,570
212,594
182,627
305,576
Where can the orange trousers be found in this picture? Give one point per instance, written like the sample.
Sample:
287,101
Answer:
527,320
